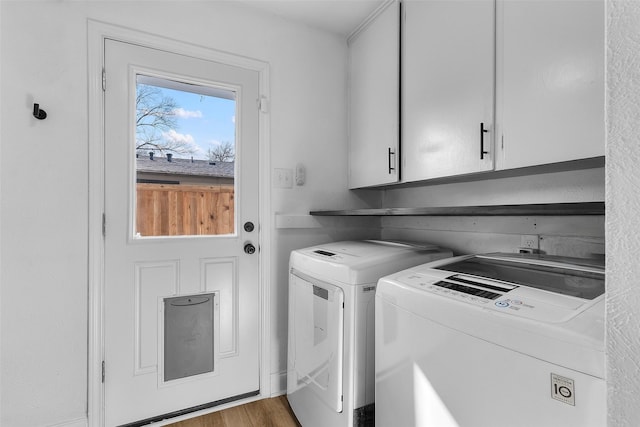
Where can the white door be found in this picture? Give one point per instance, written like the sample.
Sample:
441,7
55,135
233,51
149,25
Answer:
165,354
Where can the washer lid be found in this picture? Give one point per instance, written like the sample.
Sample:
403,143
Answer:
360,262
580,278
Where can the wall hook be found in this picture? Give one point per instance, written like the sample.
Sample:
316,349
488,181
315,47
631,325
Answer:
38,113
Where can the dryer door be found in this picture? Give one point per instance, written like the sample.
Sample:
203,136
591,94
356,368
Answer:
316,339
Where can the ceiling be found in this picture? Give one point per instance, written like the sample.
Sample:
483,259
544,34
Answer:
336,16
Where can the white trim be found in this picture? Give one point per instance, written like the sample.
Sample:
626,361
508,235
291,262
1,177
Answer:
278,383
1,216
372,16
97,32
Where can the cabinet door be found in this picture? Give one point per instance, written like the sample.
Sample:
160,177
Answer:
374,81
552,81
448,78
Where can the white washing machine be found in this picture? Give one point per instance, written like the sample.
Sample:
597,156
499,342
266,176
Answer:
497,340
330,372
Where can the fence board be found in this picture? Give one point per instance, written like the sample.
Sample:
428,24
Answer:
182,210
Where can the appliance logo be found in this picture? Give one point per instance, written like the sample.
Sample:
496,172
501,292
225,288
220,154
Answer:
562,389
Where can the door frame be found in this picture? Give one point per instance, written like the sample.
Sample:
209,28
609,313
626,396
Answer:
97,32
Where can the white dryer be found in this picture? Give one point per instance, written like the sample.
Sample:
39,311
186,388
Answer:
330,372
496,340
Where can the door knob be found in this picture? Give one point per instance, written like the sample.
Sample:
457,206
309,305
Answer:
248,226
249,249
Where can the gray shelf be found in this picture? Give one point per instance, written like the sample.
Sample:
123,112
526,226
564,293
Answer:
540,209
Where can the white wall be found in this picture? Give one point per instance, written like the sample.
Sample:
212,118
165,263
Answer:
623,205
581,236
44,174
44,217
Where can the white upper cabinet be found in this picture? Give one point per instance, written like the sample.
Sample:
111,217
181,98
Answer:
374,83
550,81
448,74
484,85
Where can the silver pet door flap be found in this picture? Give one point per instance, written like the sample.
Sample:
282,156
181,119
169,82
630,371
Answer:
188,336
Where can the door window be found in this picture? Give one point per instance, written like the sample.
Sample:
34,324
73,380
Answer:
185,158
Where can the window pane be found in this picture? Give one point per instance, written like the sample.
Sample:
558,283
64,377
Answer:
185,159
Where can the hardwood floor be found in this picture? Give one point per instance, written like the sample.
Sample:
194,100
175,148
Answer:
273,412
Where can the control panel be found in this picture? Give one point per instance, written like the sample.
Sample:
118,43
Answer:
498,296
328,255
457,286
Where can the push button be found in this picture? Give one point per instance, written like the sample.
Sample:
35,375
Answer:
502,304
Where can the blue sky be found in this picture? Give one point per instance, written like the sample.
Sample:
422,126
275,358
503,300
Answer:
202,121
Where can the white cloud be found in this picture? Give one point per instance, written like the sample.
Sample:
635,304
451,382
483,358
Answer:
182,138
187,114
198,152
187,142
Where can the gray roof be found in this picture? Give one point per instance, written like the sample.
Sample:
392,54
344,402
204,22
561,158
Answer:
185,167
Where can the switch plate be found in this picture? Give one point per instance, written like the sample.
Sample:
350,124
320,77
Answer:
282,178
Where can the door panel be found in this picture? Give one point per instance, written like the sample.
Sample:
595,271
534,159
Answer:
374,92
220,276
447,88
552,81
143,272
317,315
151,281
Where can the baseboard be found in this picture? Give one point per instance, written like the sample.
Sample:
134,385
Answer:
78,422
278,383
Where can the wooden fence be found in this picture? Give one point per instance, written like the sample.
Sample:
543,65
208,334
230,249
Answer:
184,210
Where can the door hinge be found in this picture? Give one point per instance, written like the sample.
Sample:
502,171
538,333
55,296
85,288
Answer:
103,371
263,104
104,80
104,225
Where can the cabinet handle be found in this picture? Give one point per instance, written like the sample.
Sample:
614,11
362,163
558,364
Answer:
482,132
391,168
